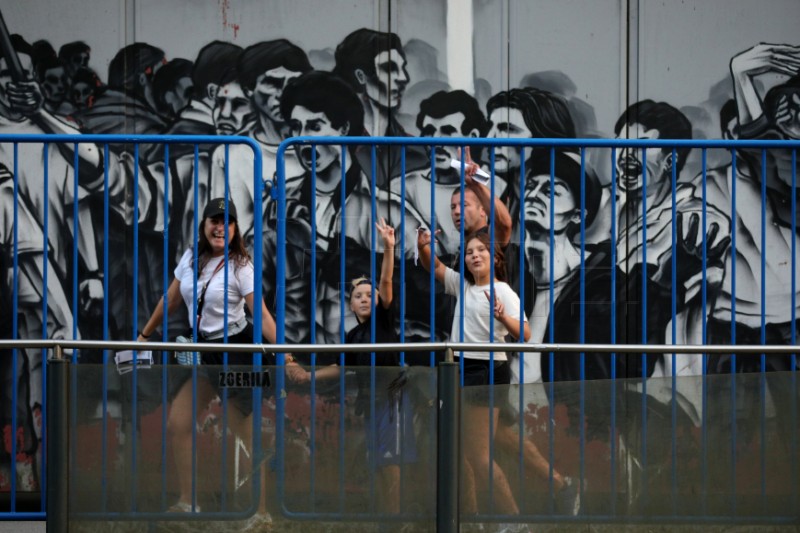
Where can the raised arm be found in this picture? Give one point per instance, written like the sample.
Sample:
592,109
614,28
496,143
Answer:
502,218
759,59
387,266
424,247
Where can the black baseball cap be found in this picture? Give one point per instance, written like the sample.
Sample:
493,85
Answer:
216,207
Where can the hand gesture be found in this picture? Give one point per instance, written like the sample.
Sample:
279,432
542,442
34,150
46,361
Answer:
424,237
786,115
689,250
470,166
499,308
765,57
296,373
24,97
387,233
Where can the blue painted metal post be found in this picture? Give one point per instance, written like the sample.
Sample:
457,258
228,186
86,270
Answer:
447,447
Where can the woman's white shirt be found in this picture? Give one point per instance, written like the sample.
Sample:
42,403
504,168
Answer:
478,313
240,284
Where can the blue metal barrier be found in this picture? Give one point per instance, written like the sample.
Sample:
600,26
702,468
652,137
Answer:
641,452
16,202
647,309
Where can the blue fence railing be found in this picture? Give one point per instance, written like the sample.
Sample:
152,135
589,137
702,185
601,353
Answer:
621,242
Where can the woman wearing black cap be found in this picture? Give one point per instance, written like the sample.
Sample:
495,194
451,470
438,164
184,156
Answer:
215,268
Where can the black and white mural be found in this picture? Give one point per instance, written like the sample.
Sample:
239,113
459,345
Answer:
269,72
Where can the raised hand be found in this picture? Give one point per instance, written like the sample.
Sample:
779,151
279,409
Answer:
386,232
499,308
470,166
25,97
689,250
766,57
787,115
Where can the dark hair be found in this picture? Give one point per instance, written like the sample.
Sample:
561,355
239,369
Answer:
236,248
545,114
358,51
499,258
324,92
44,64
568,168
129,63
68,50
166,78
213,60
261,57
669,121
443,103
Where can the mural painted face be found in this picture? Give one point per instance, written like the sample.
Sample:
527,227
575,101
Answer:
507,123
231,109
629,161
178,98
537,204
269,89
214,229
77,61
54,85
387,86
474,215
79,94
5,79
477,259
448,126
361,301
315,123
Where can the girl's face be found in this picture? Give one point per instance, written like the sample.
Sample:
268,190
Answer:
214,229
477,258
361,300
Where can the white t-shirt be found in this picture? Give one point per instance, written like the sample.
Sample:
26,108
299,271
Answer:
240,284
478,312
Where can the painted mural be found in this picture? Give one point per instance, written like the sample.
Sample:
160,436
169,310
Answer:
370,82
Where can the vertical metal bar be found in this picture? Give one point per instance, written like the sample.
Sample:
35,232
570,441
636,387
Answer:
195,355
734,178
763,376
44,472
258,251
106,235
643,474
448,447
582,337
135,373
224,392
57,449
613,298
164,360
15,331
793,453
73,389
432,273
492,297
313,391
342,333
280,317
402,262
521,396
402,314
674,285
372,389
704,319
550,322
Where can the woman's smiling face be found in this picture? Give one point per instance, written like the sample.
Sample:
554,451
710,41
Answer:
214,229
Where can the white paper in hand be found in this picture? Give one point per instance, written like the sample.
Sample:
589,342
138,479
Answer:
124,360
480,176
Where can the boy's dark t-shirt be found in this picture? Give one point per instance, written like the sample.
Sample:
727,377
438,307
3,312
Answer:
384,333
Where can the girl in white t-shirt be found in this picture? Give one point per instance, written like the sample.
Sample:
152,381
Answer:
216,265
480,319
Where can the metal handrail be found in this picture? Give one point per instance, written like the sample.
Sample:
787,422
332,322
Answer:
408,347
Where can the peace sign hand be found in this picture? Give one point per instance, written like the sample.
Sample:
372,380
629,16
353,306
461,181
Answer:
499,308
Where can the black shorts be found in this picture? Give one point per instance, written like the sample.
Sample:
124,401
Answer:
476,372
